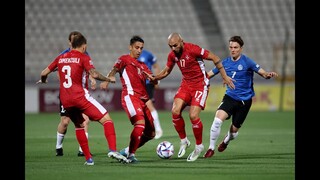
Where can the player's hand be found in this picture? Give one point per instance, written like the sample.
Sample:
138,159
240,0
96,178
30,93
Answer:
104,85
150,77
229,82
40,82
93,84
271,75
112,79
156,86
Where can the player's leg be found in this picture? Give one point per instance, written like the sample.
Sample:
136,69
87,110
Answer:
86,124
77,119
143,126
61,130
148,133
224,111
238,119
110,136
153,110
135,136
198,97
197,128
149,130
156,121
179,125
215,130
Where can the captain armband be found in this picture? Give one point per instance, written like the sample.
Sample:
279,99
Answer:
217,62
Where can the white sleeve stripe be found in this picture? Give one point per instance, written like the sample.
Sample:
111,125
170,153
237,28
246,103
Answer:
202,51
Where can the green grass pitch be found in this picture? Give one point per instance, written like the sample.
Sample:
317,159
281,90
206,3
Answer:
264,150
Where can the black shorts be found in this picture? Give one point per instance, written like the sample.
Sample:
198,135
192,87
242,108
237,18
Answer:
237,109
150,91
63,112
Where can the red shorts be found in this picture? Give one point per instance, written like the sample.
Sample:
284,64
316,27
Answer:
87,105
193,96
136,109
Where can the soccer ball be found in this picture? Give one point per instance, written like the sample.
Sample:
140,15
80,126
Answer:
165,150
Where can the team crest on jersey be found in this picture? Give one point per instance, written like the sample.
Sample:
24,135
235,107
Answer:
240,67
187,57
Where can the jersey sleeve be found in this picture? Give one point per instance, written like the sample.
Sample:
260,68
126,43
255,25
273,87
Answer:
199,51
87,62
252,64
171,60
54,64
154,59
119,64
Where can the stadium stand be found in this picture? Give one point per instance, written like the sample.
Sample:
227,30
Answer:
109,24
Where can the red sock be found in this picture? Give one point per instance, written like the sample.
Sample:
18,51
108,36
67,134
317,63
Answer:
135,137
179,125
197,128
110,135
83,142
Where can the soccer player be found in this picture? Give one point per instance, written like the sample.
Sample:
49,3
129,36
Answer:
236,102
193,89
73,68
134,96
64,119
151,61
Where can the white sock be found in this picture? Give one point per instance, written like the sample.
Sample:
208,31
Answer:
184,140
127,150
230,137
215,132
156,121
60,138
87,137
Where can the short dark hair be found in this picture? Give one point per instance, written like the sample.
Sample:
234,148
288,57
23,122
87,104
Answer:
78,40
136,38
72,34
237,39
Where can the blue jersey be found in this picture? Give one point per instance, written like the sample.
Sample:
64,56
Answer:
148,58
242,72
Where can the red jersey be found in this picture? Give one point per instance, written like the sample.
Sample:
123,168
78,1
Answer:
191,64
73,70
131,76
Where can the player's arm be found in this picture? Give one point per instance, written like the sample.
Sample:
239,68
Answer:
218,63
210,74
163,73
93,82
98,76
44,75
267,75
111,74
150,77
156,70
